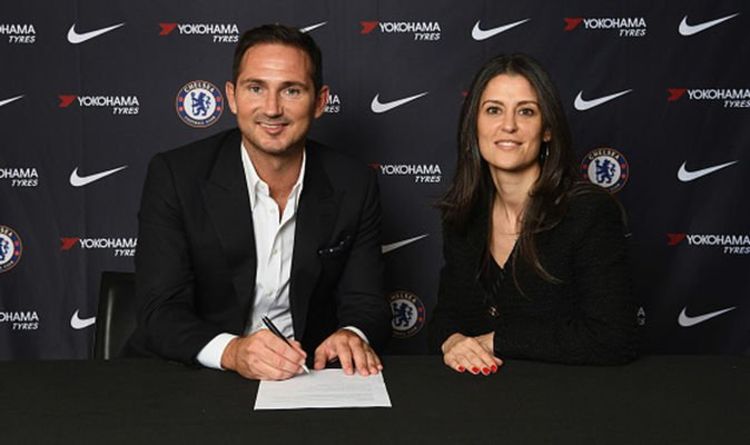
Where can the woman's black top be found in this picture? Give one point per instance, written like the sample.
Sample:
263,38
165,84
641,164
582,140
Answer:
588,318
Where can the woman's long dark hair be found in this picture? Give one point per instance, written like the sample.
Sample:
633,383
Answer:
557,182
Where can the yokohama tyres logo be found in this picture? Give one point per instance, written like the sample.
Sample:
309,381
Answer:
20,176
20,320
624,26
731,244
728,97
422,31
119,246
18,33
218,32
333,104
422,173
120,104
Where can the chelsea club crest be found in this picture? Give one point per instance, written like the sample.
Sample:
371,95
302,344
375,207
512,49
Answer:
199,104
408,313
10,248
606,167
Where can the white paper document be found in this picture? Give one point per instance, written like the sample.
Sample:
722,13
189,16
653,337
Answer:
328,388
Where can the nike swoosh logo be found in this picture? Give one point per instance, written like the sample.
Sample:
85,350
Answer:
479,34
689,30
312,27
397,245
582,105
377,107
7,101
80,181
75,38
81,323
686,321
686,176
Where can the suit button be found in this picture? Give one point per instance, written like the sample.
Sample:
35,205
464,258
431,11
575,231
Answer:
494,313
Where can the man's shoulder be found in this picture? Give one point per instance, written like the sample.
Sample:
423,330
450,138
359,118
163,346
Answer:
340,166
204,149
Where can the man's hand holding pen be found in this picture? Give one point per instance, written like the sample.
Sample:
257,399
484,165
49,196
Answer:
264,356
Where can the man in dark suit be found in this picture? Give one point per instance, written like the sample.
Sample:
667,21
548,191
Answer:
261,221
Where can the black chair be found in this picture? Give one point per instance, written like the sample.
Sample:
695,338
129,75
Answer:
115,318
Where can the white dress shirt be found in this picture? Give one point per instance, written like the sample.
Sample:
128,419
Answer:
274,245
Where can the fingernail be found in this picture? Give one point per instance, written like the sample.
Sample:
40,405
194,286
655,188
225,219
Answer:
486,371
475,370
461,369
494,368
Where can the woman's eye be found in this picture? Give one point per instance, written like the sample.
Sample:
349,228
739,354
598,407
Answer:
493,110
527,111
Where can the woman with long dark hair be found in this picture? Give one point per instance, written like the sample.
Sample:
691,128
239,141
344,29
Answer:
536,262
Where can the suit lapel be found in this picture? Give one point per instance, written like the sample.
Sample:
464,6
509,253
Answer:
316,215
227,203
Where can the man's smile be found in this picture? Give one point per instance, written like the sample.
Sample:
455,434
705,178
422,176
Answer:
273,127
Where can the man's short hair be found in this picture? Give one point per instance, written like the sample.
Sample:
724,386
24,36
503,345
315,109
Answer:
283,35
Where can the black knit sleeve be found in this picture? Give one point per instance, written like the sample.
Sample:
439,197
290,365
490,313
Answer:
444,322
598,326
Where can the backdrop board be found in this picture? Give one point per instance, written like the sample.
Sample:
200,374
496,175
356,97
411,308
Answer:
656,92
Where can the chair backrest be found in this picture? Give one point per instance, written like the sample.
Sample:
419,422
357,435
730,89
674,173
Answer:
115,319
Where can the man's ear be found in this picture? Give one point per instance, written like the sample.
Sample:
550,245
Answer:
321,101
229,90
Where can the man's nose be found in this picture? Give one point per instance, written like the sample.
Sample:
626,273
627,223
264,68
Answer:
272,105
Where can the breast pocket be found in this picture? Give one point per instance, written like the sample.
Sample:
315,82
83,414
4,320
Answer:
333,257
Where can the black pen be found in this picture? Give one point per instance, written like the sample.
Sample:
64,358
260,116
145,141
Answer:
272,327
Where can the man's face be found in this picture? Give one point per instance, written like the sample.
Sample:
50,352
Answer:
274,99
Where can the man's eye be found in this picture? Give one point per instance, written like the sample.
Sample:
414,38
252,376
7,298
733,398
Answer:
293,91
254,89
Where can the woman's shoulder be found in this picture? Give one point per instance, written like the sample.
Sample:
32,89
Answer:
586,200
592,206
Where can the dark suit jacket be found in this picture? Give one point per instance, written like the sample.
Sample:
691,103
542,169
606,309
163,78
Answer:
196,261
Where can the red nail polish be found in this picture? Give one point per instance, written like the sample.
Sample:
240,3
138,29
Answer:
494,368
486,371
461,369
475,370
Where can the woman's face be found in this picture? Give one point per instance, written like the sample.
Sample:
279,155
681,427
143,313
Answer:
509,124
